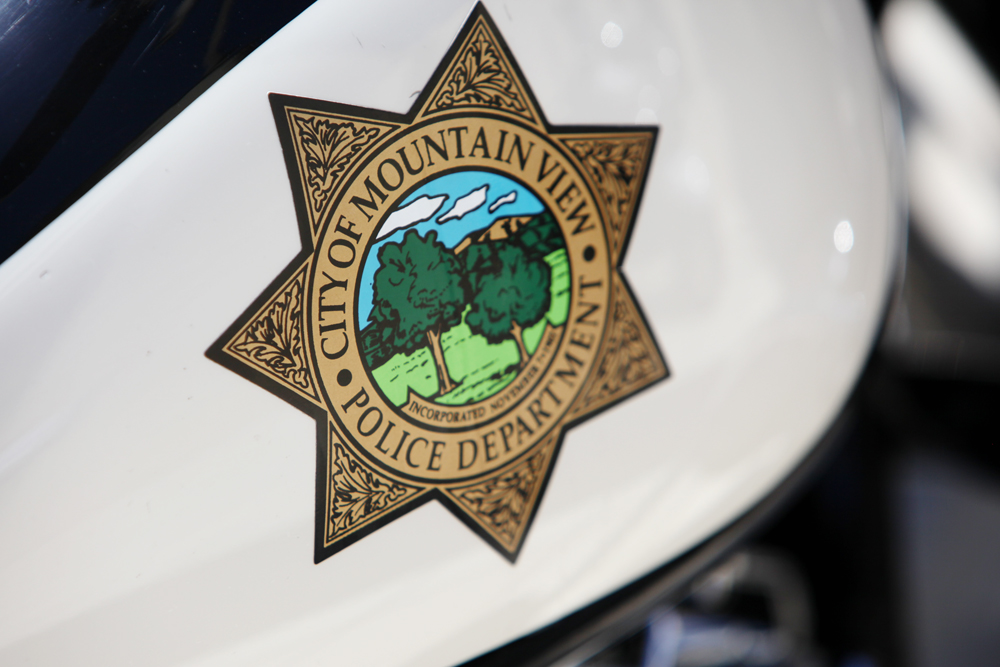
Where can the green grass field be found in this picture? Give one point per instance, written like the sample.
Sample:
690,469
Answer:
481,369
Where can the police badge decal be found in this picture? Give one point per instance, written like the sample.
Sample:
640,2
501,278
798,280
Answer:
457,305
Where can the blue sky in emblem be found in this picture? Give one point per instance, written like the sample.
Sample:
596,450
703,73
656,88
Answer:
454,206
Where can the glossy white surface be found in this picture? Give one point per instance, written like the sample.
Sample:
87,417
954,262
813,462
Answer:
157,509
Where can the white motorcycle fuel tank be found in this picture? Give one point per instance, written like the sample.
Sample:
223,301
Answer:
428,324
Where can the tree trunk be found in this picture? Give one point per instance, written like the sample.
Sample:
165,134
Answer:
445,383
515,331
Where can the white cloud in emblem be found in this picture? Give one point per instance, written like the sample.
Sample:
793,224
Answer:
420,209
466,204
508,198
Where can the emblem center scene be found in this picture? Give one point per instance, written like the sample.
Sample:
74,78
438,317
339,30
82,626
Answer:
462,283
457,305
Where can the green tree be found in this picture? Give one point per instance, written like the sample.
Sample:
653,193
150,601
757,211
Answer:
510,291
541,236
419,293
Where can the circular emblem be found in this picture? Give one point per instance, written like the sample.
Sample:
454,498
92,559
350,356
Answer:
455,306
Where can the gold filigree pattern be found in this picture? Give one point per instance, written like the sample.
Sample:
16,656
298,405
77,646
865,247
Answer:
359,494
328,147
616,166
481,78
504,502
629,360
273,341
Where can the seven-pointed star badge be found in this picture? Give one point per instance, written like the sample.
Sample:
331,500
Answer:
457,304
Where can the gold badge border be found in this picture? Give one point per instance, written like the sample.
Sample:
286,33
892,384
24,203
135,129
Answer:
266,344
